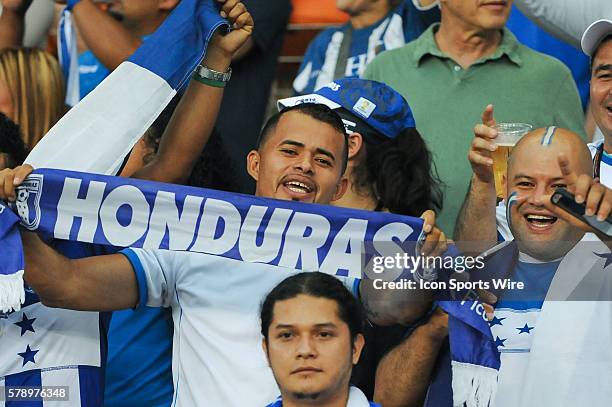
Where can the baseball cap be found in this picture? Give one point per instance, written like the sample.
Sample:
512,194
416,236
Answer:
594,34
370,108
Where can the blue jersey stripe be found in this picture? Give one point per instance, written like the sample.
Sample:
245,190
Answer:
141,277
29,378
91,386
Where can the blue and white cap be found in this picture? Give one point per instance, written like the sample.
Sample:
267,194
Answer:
368,107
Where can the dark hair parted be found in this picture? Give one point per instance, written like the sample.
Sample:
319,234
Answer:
319,285
11,142
401,175
318,112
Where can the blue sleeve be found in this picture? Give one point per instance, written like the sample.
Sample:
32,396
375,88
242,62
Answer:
141,277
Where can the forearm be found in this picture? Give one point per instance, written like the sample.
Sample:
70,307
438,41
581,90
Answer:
188,130
403,375
108,39
12,27
476,220
101,283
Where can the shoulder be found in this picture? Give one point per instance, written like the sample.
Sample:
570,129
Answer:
541,63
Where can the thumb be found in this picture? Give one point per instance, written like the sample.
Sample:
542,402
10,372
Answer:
487,116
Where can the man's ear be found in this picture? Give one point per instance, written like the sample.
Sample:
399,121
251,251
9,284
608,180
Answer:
264,346
358,344
340,189
167,5
253,164
355,143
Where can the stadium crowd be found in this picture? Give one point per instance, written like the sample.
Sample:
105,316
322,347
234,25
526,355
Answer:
397,110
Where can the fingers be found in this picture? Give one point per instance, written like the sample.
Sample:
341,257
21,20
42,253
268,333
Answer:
8,189
582,188
605,208
227,7
487,116
429,220
569,176
243,20
11,178
484,131
22,173
435,242
595,194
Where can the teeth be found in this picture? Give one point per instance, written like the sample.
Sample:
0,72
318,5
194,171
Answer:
540,217
297,186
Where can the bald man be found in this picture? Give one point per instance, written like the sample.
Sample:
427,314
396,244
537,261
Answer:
535,332
480,222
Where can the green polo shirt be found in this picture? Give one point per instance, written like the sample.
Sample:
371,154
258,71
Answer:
447,101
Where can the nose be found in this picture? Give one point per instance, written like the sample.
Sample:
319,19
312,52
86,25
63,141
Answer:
304,164
537,195
306,348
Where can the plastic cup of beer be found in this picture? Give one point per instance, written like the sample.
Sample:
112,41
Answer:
508,134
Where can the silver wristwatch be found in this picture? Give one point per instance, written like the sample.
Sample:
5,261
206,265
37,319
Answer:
210,74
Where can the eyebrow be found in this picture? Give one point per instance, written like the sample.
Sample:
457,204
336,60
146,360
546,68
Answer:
321,325
606,67
319,150
518,176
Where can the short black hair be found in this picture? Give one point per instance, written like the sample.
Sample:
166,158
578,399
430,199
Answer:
318,112
11,142
319,285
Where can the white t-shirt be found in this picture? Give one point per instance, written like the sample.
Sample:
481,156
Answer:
217,356
605,177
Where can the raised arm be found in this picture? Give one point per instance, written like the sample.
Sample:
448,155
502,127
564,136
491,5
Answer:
476,220
196,113
12,25
106,37
100,283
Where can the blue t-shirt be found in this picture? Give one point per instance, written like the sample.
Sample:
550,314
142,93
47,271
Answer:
400,26
513,325
91,73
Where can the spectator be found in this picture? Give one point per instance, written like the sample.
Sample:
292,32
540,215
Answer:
147,382
31,91
33,33
389,169
546,252
374,26
244,104
312,329
597,43
12,149
110,37
456,66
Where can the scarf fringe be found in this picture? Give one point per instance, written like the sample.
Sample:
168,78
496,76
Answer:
473,385
12,294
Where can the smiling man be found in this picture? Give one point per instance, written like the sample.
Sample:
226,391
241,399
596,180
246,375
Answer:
307,150
312,330
548,257
467,61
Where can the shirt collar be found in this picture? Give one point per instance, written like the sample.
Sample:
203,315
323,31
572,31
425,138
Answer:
426,45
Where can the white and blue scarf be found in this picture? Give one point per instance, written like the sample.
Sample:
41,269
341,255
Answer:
110,120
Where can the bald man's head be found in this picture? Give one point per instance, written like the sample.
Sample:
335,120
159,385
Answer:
548,143
533,175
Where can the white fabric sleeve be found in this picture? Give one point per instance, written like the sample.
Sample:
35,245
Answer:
503,229
156,274
565,19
